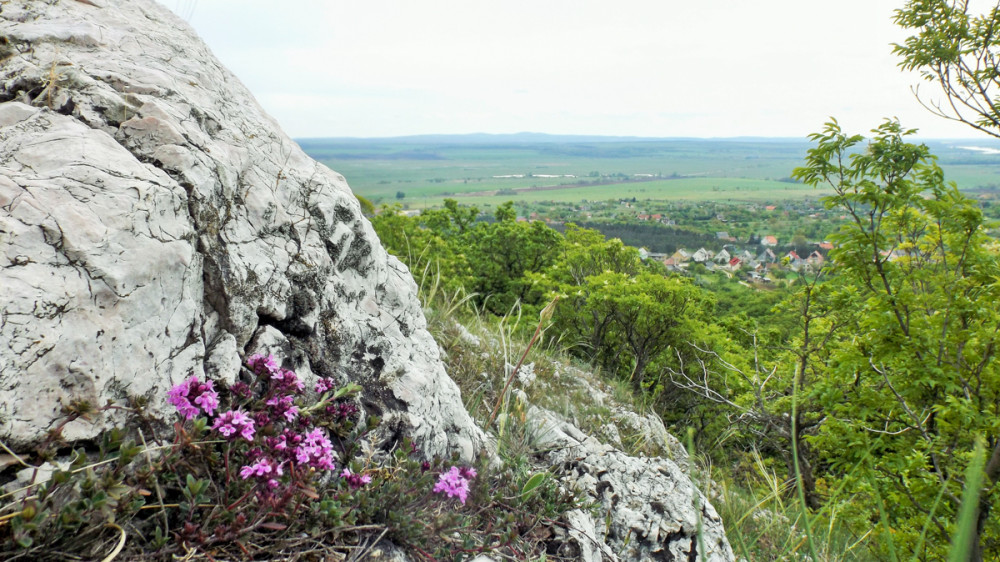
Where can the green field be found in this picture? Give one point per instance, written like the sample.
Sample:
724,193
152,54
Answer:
471,168
689,189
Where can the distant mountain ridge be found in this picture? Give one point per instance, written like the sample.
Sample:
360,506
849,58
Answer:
527,138
546,138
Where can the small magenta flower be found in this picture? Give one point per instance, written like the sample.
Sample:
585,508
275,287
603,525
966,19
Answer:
355,481
325,385
287,380
315,451
261,419
264,469
453,484
234,422
260,364
261,468
342,410
190,395
240,389
283,406
284,444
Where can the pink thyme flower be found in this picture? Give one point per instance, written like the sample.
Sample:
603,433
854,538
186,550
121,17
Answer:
260,364
240,389
355,481
283,406
189,395
287,380
284,445
325,385
232,422
342,410
315,451
453,484
263,469
261,419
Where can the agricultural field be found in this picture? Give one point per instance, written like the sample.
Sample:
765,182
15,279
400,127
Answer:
486,170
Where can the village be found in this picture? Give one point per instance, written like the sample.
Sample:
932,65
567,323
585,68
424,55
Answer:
679,234
735,260
684,235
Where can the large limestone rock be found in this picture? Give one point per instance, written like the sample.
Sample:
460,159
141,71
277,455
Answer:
156,223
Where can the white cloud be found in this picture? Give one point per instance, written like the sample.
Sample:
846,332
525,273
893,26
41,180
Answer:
632,67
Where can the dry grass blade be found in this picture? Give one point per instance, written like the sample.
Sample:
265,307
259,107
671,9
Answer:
118,547
544,317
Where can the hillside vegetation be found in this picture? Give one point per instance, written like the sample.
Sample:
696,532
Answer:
868,391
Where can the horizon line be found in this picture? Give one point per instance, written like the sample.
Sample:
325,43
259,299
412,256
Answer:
597,137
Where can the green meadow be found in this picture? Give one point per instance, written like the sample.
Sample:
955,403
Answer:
486,170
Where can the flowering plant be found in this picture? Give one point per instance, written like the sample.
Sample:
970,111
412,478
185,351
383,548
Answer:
289,444
255,468
455,483
191,395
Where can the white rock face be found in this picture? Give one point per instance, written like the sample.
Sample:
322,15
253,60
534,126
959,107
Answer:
648,503
154,220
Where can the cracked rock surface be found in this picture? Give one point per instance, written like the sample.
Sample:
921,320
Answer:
650,506
156,223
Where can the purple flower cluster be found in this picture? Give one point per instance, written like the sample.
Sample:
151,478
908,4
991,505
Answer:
233,424
283,379
312,449
241,390
309,446
261,365
281,433
342,410
287,381
283,406
191,395
315,451
265,470
455,482
300,446
355,481
325,385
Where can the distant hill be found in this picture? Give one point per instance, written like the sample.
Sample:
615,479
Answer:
545,138
520,138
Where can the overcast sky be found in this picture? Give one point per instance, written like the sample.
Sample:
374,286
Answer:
656,68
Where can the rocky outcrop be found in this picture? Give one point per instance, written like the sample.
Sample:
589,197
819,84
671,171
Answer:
646,499
651,507
156,223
